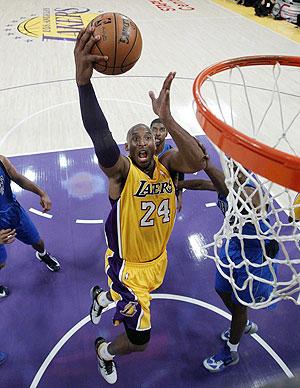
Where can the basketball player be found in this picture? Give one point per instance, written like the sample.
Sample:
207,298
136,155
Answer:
15,222
142,196
253,251
160,133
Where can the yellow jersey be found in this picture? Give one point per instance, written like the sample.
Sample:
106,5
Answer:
141,220
296,207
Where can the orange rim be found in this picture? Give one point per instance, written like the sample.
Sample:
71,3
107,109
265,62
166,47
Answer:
278,166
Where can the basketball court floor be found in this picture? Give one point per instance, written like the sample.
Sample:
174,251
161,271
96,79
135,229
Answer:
45,328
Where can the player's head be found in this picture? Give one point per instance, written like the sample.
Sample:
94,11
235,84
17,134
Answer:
140,145
242,177
159,131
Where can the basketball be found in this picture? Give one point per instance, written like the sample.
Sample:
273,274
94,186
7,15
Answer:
120,40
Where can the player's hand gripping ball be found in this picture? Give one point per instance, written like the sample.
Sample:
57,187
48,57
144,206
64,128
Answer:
120,40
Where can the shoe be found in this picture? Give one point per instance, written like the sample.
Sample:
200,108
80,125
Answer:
3,357
251,328
4,292
96,309
50,261
220,361
107,369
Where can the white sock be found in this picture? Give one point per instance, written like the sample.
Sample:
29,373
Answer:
104,353
42,254
233,348
103,300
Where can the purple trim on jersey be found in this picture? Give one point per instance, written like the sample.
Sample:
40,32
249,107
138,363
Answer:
6,195
111,227
128,310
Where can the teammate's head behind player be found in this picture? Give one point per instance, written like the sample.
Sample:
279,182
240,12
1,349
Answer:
159,131
140,145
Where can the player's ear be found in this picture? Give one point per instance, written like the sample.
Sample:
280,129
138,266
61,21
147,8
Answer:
126,147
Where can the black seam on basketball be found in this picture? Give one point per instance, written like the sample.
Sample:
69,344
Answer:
135,38
99,48
116,41
100,64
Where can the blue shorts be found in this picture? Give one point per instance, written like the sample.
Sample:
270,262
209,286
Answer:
261,291
17,218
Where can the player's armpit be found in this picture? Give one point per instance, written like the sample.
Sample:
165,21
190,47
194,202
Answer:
119,171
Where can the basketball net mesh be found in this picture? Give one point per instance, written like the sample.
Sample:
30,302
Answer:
258,217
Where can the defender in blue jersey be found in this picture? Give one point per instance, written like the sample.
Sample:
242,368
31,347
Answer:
253,252
15,222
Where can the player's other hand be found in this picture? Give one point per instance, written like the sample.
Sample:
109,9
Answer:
161,104
83,58
45,202
7,236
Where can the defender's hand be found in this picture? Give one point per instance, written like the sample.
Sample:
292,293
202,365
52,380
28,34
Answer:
45,202
7,236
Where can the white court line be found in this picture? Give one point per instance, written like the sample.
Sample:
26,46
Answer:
215,309
210,204
39,213
180,298
89,221
11,130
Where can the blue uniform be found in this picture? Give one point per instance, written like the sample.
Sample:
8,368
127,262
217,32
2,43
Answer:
13,216
254,253
166,148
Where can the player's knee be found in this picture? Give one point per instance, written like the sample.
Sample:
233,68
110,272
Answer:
138,348
138,339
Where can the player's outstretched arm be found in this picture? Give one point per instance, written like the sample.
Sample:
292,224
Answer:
26,184
110,160
188,157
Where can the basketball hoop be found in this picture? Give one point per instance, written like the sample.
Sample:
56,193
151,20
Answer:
278,166
255,126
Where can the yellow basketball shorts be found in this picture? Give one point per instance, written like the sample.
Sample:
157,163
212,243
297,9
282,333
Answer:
130,286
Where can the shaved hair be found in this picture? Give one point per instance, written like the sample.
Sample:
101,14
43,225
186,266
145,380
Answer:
136,126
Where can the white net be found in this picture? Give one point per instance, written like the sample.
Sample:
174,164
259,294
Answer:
257,249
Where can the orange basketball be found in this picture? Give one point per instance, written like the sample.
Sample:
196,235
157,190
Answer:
120,40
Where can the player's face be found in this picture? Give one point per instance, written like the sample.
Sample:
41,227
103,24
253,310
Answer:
141,146
241,177
159,131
